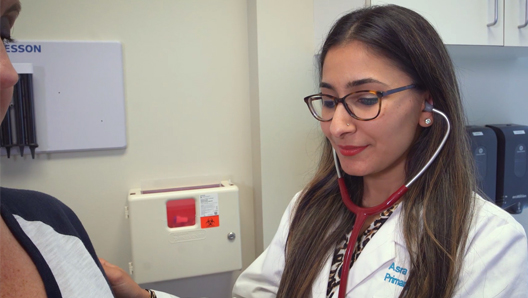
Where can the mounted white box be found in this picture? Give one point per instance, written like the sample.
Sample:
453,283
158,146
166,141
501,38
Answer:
184,233
78,93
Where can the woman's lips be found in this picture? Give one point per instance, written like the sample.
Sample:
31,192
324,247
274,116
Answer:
351,150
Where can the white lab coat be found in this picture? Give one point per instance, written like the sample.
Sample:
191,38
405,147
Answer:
495,264
160,294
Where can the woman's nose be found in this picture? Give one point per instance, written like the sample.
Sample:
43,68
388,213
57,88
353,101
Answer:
342,122
8,74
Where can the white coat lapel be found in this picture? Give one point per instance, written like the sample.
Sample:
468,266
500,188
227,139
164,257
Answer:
380,250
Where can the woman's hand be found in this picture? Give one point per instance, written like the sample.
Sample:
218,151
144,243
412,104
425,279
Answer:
122,284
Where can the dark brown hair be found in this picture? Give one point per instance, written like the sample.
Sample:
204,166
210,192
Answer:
437,209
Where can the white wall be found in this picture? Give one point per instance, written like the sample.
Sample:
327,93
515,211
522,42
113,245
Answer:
187,109
285,135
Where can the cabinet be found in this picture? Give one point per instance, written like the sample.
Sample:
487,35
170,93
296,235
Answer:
516,23
473,22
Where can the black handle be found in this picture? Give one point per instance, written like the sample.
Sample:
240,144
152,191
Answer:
30,132
6,133
20,126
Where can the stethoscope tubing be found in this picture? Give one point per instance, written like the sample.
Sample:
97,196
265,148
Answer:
362,213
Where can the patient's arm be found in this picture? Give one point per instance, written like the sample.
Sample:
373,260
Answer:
122,284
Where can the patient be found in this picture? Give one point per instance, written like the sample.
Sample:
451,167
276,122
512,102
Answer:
44,249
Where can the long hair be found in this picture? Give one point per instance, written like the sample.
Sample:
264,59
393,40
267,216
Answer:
437,209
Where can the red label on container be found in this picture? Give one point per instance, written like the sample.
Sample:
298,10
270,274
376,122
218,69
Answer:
210,221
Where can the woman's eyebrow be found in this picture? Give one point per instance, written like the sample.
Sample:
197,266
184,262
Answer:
363,82
326,85
352,83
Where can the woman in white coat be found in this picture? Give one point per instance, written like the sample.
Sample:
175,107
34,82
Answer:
380,68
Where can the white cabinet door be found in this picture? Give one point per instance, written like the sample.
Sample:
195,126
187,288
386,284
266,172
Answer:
515,14
462,22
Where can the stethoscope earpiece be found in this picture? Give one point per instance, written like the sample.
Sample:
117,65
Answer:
428,107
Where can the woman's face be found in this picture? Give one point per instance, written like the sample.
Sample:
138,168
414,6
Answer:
9,10
376,148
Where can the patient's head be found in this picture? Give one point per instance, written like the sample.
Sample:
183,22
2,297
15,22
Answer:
9,10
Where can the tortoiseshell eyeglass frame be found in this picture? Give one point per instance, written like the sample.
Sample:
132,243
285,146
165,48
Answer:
380,94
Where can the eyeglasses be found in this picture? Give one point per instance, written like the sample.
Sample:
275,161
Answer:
362,105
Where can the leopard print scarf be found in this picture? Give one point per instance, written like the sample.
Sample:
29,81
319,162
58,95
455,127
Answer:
339,253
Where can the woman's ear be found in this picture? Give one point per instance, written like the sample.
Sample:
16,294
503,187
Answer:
426,118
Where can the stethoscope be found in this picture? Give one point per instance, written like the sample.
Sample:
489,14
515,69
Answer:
362,213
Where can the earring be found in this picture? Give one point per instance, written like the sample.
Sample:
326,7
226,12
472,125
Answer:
427,121
348,124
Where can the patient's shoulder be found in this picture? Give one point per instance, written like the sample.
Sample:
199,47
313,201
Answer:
34,206
37,206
